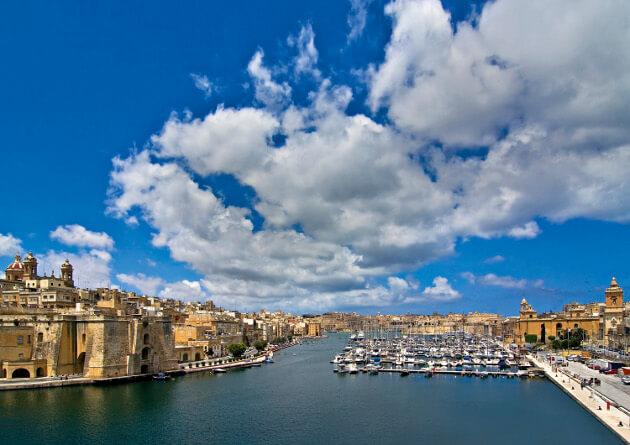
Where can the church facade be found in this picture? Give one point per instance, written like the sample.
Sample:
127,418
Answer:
602,324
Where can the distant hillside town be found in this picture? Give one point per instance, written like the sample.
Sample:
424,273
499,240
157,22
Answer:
48,327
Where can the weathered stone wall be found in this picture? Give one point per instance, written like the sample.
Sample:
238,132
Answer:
97,346
109,348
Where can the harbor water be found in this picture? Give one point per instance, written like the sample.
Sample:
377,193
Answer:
298,399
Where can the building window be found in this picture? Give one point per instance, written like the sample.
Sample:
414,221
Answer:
20,356
40,337
28,339
20,340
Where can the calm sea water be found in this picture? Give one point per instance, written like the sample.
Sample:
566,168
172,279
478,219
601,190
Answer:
300,400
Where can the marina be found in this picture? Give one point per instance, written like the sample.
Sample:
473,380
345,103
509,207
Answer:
456,353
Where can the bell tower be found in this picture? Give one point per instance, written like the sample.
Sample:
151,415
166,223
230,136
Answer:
613,314
66,273
30,267
527,311
614,295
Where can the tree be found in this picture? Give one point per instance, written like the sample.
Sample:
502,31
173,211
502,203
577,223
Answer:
237,349
531,338
260,345
289,337
551,337
572,339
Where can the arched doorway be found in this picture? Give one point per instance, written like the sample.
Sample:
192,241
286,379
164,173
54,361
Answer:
40,372
558,329
185,357
21,373
144,369
197,357
81,362
145,353
4,373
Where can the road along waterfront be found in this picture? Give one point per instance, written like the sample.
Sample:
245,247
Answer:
298,399
615,418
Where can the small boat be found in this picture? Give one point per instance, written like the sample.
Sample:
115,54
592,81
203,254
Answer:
404,373
161,376
219,371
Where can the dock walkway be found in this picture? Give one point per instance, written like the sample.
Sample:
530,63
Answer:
448,371
590,399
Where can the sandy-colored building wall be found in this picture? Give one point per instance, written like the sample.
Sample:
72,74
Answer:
545,327
96,346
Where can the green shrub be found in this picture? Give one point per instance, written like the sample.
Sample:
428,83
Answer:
531,338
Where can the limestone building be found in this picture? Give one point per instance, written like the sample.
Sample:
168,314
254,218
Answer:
23,287
554,325
35,344
603,323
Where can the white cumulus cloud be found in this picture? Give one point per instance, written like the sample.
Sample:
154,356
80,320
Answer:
77,235
440,291
268,92
9,245
348,200
145,284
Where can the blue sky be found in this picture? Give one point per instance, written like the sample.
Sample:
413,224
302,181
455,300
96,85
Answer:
356,155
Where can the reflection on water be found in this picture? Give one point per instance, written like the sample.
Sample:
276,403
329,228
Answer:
300,399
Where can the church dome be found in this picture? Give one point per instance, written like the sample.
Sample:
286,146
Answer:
16,264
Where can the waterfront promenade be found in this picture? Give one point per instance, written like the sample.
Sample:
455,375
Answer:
183,368
588,398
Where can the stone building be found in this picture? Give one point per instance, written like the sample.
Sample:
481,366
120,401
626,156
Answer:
23,287
555,325
35,344
603,323
313,329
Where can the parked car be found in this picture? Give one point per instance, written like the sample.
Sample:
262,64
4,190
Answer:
610,371
626,379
